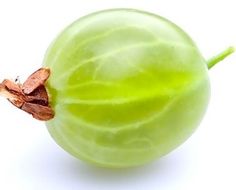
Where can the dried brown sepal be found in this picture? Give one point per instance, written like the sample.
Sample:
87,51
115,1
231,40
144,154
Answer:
11,86
13,93
38,96
38,78
30,97
39,112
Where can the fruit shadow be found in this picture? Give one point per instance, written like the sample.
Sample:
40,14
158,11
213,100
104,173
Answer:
57,169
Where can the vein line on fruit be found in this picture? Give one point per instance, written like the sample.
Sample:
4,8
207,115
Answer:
142,140
105,55
117,101
81,154
114,101
113,130
94,82
62,133
119,50
93,143
137,67
137,124
100,36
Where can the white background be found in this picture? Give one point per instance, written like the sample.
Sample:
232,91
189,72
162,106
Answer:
31,160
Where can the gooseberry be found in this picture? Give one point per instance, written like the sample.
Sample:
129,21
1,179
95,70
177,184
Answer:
126,87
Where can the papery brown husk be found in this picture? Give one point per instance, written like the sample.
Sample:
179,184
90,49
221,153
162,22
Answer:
31,96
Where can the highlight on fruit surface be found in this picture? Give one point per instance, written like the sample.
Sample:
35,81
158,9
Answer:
118,88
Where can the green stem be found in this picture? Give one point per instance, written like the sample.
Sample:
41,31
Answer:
216,59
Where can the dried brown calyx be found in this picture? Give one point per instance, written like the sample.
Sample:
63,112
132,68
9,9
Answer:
31,96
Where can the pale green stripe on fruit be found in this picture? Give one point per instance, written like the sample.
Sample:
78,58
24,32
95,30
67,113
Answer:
91,144
113,52
69,143
88,84
136,67
119,50
116,101
100,36
61,110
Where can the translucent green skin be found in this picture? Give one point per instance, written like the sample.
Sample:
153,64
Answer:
127,87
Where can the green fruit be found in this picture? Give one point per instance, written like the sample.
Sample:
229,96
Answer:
127,87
